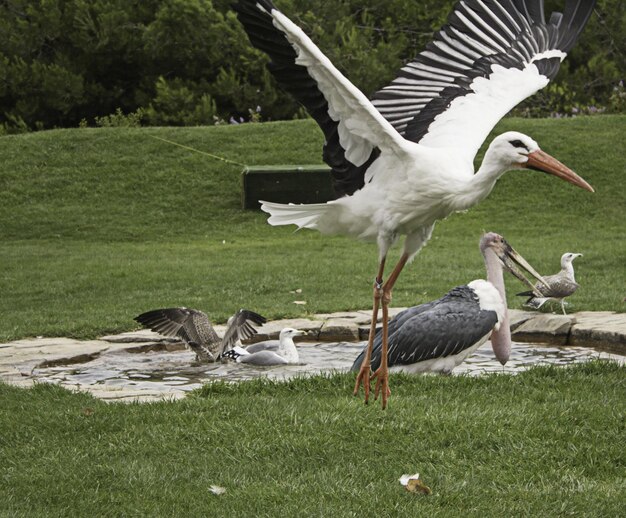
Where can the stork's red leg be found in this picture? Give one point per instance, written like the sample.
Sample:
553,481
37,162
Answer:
382,373
364,372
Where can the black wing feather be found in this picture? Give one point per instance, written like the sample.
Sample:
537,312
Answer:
295,79
468,46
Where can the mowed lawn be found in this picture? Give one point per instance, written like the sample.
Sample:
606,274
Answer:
548,442
99,225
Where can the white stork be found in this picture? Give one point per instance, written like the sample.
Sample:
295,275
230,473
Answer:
439,335
405,160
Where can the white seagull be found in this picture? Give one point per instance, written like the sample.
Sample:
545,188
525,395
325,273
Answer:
560,285
194,328
268,353
405,159
439,335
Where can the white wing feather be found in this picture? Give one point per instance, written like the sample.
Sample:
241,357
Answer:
361,126
471,117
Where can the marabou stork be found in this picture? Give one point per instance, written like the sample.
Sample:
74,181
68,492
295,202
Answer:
194,328
405,159
439,335
560,285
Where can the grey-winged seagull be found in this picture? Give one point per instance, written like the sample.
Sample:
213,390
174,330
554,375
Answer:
561,285
269,352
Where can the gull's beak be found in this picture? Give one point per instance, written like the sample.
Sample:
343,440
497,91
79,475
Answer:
541,161
512,260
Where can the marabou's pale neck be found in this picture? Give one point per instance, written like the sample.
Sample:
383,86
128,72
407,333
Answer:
500,339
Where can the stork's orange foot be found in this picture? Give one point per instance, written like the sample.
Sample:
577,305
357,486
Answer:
382,385
364,378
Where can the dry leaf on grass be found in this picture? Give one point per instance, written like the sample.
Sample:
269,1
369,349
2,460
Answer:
413,484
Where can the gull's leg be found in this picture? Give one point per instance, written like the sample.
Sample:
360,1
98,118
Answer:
364,372
382,373
563,306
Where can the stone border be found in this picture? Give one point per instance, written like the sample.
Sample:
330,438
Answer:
604,330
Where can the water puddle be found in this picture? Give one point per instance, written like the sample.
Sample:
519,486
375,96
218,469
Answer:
168,372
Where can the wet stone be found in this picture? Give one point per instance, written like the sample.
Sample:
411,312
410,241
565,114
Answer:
338,330
545,328
600,326
271,330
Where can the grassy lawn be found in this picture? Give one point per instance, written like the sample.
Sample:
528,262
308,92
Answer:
99,225
548,442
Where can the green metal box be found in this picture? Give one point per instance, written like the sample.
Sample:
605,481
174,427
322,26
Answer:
286,184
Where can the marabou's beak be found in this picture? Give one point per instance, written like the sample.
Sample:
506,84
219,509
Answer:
511,260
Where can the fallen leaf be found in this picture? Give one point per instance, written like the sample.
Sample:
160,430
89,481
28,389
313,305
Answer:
300,302
413,484
217,490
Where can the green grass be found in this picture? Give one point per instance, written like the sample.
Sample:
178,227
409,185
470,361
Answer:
99,225
548,442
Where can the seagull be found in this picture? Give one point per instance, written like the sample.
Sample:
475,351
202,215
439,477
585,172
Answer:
262,353
404,160
560,285
194,328
439,335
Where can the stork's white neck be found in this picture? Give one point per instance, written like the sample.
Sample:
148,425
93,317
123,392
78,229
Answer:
483,182
287,349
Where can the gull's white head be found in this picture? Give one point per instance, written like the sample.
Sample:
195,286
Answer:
567,258
289,332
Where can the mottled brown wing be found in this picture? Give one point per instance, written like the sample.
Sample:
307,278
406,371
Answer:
241,327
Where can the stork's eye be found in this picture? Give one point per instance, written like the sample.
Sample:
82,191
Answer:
518,143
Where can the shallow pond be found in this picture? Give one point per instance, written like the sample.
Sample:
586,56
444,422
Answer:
170,372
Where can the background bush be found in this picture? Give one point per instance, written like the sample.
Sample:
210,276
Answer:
188,62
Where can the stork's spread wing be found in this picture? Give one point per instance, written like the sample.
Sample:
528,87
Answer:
490,56
354,130
241,328
190,325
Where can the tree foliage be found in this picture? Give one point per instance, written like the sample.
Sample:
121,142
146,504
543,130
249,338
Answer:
188,62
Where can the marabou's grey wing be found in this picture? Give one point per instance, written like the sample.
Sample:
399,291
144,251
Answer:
447,327
393,326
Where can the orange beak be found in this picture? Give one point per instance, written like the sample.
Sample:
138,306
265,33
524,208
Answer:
541,161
